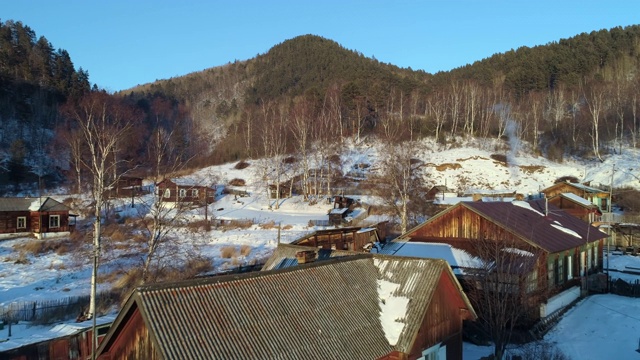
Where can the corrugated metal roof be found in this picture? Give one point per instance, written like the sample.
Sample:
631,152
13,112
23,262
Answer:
325,310
557,231
31,204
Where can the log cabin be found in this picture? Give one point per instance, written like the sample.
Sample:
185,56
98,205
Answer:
43,217
184,192
355,307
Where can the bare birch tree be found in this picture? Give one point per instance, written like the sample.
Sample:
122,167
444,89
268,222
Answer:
502,282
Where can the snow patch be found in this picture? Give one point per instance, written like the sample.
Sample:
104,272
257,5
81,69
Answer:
393,309
568,231
526,205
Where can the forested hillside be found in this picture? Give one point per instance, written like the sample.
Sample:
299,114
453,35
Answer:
35,79
574,96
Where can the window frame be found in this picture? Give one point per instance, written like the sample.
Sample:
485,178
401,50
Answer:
54,224
22,219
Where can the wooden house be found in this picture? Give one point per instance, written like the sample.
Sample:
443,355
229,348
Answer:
440,192
577,206
126,186
364,307
596,196
42,217
175,192
564,247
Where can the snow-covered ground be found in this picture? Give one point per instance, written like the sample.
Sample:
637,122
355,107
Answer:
54,276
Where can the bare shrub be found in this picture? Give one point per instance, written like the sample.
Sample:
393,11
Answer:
116,232
39,247
228,252
237,182
198,225
237,224
245,250
241,165
287,227
196,266
268,225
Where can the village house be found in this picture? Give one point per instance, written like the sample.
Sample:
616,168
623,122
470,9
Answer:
577,206
559,249
42,216
440,192
598,197
174,192
126,186
356,307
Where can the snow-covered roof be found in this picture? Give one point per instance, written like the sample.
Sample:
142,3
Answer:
577,199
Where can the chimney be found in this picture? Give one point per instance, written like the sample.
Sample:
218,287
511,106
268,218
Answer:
546,206
306,256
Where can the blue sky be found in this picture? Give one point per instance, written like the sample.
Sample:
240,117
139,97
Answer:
123,43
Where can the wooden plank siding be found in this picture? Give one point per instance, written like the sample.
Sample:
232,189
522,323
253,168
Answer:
459,227
339,239
133,342
443,322
9,221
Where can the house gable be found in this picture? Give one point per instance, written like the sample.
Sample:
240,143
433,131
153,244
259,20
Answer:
533,223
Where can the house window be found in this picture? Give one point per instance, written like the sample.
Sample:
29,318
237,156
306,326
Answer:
560,270
167,193
22,222
54,221
194,193
183,193
550,273
532,281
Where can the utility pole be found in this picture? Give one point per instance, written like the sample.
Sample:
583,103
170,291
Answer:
610,222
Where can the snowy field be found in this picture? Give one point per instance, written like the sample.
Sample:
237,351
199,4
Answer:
54,276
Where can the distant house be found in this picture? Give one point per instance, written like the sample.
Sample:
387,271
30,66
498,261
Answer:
595,196
184,192
42,217
440,192
357,307
492,195
576,206
564,248
126,186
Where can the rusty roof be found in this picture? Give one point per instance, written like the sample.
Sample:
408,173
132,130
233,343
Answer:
543,225
324,310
